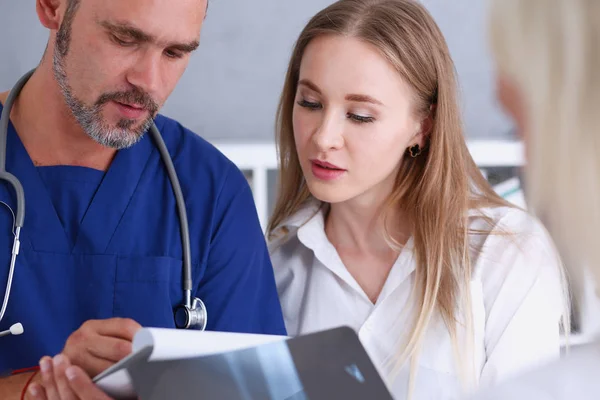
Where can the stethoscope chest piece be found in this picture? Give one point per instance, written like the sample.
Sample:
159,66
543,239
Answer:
191,318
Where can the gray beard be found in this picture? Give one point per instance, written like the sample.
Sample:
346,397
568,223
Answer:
90,117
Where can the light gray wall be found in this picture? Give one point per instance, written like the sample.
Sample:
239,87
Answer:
232,85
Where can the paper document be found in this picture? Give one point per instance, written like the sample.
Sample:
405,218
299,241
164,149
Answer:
158,344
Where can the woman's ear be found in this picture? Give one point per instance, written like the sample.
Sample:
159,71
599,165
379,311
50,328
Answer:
424,129
48,13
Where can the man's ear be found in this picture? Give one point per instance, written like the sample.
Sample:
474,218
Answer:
48,13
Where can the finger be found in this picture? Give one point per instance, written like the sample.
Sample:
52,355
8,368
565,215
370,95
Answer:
98,344
82,385
60,364
91,364
109,348
48,378
123,328
95,353
36,392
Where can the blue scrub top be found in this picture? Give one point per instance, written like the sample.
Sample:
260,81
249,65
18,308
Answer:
97,245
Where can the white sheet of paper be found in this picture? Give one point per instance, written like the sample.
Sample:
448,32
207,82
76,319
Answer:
170,344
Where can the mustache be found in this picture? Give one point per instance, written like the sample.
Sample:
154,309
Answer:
133,96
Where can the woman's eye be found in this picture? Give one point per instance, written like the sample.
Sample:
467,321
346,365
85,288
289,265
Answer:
309,105
360,118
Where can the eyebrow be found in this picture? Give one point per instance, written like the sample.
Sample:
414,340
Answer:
363,98
185,47
359,98
125,29
309,84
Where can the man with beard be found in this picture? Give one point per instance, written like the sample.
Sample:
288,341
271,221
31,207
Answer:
101,252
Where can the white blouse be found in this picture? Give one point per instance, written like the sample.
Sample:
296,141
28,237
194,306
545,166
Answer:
516,303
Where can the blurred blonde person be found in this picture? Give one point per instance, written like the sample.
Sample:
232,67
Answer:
385,224
548,64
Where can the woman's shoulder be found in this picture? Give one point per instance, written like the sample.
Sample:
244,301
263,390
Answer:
285,235
290,247
507,223
292,241
518,279
507,239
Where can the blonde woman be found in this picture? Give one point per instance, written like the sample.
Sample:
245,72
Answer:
384,223
549,81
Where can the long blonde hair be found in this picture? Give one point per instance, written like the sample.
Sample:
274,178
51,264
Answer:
549,49
438,188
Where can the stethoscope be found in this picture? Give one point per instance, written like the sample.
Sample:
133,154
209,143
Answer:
191,314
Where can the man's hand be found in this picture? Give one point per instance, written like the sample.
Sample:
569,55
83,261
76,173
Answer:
95,346
98,344
62,381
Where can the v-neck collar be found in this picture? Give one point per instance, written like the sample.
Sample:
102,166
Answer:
311,233
112,198
42,225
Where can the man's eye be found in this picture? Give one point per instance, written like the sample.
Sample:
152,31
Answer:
121,42
173,54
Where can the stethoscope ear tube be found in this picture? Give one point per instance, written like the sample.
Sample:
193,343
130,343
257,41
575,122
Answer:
4,120
19,218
